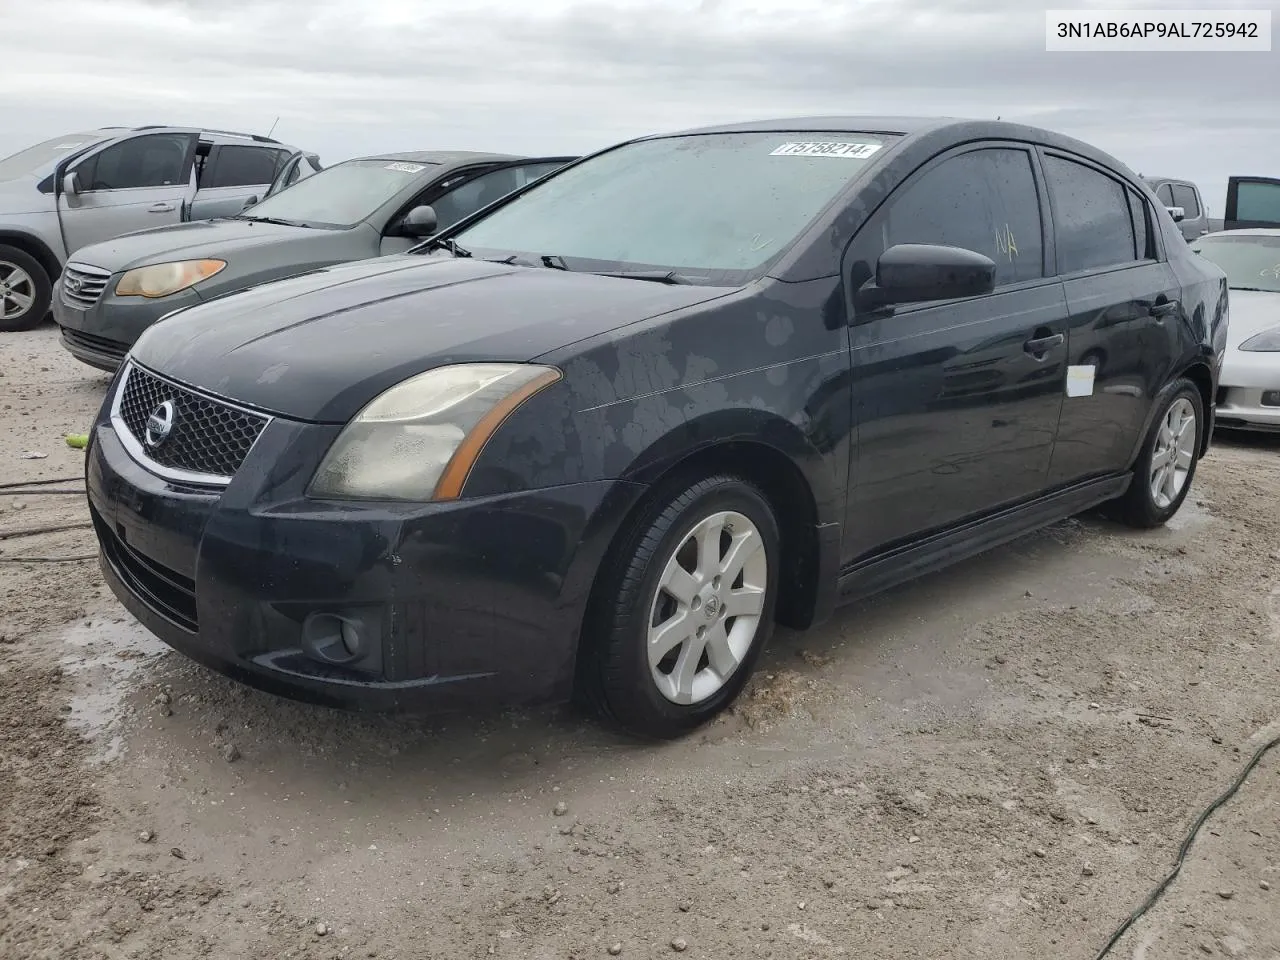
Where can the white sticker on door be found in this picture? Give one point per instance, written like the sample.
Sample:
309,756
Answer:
849,151
1080,380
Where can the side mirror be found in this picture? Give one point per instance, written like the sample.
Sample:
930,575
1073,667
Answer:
1178,214
71,183
922,272
420,222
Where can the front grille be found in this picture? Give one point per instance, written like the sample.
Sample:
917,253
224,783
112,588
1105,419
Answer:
82,285
209,438
163,590
87,341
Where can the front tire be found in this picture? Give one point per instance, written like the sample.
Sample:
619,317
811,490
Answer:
25,290
1167,464
683,609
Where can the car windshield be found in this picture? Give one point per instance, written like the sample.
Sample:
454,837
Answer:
1250,262
35,159
712,207
341,195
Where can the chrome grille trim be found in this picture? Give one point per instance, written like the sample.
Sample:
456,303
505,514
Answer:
89,284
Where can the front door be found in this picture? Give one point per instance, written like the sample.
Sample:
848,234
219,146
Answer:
1123,301
956,403
1253,202
130,185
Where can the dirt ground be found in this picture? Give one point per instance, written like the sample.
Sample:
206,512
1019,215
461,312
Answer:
997,761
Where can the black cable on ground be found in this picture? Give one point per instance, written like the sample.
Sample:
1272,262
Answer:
1158,892
86,556
36,531
41,483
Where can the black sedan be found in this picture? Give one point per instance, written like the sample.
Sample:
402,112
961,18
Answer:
601,436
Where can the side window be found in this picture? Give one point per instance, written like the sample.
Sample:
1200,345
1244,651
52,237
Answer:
1258,201
464,200
1092,217
1185,197
237,166
1141,227
534,171
984,201
1165,193
156,160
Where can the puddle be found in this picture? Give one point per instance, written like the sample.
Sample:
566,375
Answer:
104,656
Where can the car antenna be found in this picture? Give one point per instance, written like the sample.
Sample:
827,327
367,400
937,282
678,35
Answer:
273,128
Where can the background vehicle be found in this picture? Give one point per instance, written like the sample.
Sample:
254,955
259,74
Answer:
72,191
1252,202
369,207
1184,196
603,433
1249,386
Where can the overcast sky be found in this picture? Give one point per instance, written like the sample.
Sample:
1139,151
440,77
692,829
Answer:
348,77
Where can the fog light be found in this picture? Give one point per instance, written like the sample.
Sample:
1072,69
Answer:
1271,398
346,638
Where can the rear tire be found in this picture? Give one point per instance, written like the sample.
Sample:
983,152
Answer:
1167,464
25,290
684,606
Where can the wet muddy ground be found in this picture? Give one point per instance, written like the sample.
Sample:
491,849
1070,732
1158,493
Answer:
997,761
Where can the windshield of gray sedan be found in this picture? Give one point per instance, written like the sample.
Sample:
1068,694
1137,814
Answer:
707,203
1250,263
341,195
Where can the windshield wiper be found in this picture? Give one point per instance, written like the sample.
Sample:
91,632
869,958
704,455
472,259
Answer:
656,276
275,220
1253,289
435,243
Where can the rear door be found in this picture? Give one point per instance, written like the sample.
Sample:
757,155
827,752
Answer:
233,174
132,184
957,402
1123,297
1252,202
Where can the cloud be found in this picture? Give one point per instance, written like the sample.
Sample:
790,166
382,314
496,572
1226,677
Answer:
556,76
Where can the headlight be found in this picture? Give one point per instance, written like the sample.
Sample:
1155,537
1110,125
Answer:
163,279
1267,340
418,440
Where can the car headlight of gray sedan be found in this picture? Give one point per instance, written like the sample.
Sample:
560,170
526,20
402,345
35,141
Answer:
165,279
418,440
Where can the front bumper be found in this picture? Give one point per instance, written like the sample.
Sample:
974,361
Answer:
1249,391
101,335
474,601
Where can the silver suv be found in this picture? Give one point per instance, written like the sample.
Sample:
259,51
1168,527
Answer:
83,188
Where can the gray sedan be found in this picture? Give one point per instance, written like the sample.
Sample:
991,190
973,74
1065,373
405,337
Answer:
374,206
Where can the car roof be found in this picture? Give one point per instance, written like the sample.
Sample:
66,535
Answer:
444,158
900,126
1243,232
1182,180
210,134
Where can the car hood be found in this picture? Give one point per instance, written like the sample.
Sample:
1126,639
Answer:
320,346
1251,312
188,241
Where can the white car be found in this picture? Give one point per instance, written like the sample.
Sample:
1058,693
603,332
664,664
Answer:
1249,387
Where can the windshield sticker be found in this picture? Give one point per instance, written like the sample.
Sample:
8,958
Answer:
405,167
849,151
1271,273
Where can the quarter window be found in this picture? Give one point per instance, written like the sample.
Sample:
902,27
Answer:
1092,217
1141,227
155,160
984,201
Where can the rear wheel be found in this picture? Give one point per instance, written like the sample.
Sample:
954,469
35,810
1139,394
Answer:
685,606
25,290
1165,468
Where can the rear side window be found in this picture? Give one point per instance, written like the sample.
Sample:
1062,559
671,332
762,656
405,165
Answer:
1141,227
1258,201
1092,217
1185,197
237,166
984,201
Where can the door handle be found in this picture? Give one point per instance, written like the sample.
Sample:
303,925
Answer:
1163,308
160,208
1039,345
